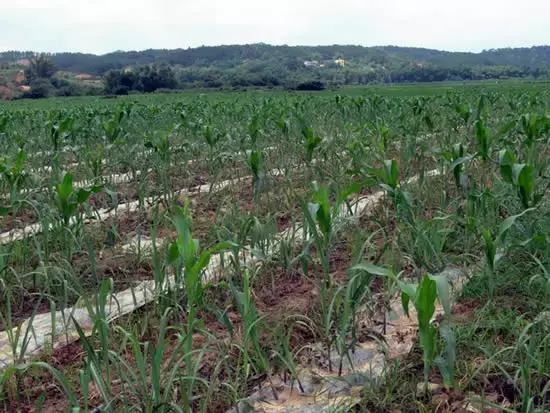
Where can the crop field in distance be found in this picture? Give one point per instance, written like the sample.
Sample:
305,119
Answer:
365,250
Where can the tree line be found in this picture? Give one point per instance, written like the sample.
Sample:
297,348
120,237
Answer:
261,65
232,56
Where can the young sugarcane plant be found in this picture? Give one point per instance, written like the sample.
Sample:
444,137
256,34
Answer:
255,161
112,128
13,172
387,178
385,135
162,147
486,142
255,359
161,144
68,199
212,137
18,338
60,130
283,352
495,247
424,296
4,122
464,112
254,129
153,389
459,160
522,177
95,157
99,363
284,126
533,127
312,141
320,219
344,307
190,264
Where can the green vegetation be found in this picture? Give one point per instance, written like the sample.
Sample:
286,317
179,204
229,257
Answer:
210,248
264,66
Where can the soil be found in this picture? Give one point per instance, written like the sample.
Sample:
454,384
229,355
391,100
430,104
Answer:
35,384
465,310
124,269
127,191
131,191
494,388
25,217
295,293
209,210
22,307
281,294
71,358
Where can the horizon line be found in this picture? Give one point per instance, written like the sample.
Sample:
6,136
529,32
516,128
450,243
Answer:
274,45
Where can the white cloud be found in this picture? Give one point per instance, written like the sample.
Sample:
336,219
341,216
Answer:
99,26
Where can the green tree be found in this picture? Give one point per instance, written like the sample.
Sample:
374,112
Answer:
40,67
40,88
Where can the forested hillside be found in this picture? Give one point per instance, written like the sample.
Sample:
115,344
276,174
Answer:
264,65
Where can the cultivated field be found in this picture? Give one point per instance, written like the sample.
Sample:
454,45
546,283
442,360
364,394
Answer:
260,252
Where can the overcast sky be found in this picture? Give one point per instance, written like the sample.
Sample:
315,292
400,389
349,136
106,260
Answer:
100,26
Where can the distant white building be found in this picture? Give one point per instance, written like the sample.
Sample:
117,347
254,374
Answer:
311,63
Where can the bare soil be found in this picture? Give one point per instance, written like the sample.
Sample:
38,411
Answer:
25,217
295,294
124,269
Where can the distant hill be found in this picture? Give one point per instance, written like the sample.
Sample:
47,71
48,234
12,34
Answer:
263,65
234,55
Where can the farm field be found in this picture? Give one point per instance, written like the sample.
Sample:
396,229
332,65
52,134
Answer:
371,250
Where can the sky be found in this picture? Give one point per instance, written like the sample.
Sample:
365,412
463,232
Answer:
102,26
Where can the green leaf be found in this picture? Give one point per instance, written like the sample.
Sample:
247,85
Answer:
173,253
505,129
517,169
490,248
405,300
526,182
409,289
508,223
428,337
483,139
82,195
21,156
482,107
392,172
460,162
323,216
379,173
60,377
221,247
443,292
425,301
223,318
65,189
506,160
96,188
350,190
374,269
447,362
